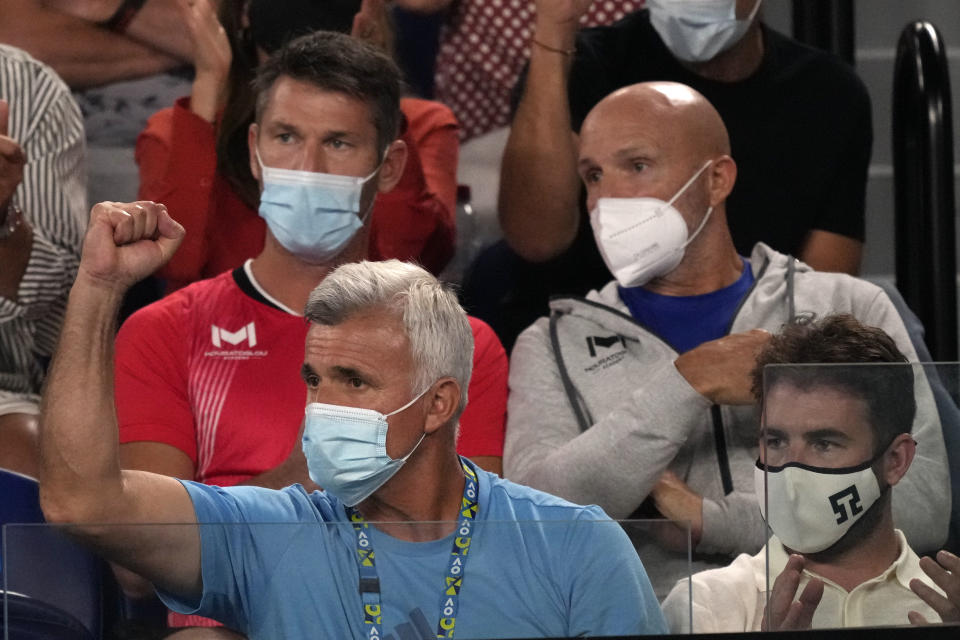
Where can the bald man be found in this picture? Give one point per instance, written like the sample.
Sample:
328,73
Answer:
640,391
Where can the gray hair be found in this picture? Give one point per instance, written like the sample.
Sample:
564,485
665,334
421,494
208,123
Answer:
441,340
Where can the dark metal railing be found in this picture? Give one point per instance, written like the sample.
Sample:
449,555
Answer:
825,24
924,185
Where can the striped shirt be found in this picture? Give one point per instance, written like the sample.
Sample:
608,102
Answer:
45,121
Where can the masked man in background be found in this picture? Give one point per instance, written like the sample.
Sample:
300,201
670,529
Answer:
642,389
800,128
827,431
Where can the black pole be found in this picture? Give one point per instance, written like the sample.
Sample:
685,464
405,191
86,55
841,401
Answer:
825,24
923,183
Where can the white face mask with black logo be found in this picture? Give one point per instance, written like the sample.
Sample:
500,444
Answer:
811,508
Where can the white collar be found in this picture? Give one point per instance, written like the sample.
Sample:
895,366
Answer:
256,285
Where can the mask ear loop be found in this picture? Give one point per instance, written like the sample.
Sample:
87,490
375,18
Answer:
406,406
366,214
687,184
680,192
753,12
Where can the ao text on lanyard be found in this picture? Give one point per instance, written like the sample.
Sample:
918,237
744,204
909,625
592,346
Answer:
453,580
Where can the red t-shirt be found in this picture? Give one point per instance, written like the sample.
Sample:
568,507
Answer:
214,370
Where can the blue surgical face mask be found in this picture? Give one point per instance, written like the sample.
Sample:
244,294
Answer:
698,30
312,215
346,449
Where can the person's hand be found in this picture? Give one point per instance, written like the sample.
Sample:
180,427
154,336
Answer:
126,242
781,612
676,501
12,159
945,573
557,21
720,369
372,25
211,57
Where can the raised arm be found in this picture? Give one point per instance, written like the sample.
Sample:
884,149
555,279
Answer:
80,477
158,23
82,53
539,188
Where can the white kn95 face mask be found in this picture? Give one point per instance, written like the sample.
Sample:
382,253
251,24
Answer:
642,238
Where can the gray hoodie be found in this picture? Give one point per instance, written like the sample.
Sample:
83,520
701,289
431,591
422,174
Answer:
636,416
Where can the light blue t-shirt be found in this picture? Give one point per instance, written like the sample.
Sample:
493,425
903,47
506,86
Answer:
538,566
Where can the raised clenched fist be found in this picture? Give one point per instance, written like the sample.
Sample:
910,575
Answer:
127,241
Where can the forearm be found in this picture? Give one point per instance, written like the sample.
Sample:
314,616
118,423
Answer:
423,6
90,56
539,187
14,256
617,460
157,23
832,252
80,475
160,26
732,525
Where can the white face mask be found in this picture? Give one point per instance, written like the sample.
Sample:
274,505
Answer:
811,508
642,238
698,30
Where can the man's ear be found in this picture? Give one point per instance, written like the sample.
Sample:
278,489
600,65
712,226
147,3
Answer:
394,161
723,175
252,134
444,398
897,458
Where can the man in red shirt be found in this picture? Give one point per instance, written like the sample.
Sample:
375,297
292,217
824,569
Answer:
206,379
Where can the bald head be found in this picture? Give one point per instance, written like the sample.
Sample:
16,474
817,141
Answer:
648,139
680,115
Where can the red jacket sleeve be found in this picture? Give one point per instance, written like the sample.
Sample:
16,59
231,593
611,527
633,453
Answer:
177,157
416,220
483,422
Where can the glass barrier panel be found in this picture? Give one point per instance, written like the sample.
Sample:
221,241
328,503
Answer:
854,484
389,581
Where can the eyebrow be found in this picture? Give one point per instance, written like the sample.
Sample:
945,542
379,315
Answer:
339,134
306,371
349,372
585,162
630,152
816,434
826,432
622,154
281,124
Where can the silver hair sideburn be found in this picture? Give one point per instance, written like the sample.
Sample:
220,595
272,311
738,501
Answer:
441,341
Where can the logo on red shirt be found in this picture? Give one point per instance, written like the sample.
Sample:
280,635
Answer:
246,333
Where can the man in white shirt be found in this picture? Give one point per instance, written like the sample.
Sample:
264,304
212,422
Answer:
834,440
